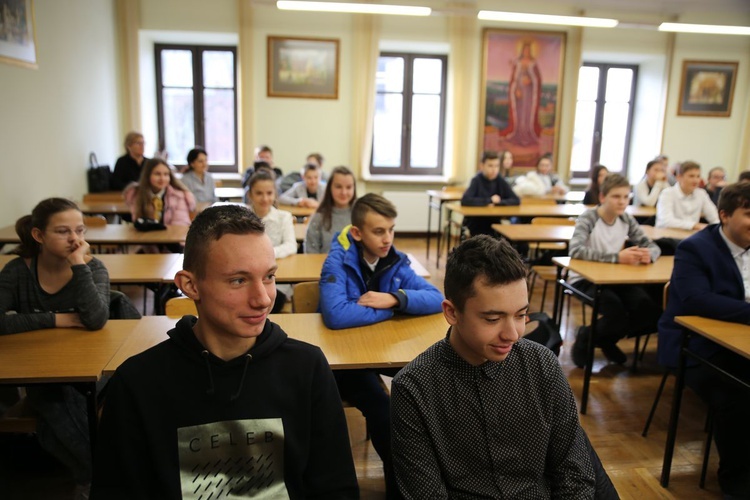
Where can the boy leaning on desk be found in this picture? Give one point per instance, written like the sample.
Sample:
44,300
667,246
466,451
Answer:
599,236
365,280
229,403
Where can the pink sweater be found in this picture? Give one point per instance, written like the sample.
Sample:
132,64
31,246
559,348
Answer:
177,205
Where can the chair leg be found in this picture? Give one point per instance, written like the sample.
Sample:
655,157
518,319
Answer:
645,344
707,448
544,296
656,403
634,367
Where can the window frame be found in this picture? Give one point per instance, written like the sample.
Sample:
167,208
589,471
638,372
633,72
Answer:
596,147
198,103
405,169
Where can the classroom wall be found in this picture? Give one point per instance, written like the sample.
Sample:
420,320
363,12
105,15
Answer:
54,115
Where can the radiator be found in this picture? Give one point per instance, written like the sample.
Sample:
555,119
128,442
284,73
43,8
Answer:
412,211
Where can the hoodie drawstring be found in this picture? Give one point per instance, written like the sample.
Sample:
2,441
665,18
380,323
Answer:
205,355
248,358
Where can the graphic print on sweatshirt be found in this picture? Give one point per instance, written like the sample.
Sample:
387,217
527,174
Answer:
236,458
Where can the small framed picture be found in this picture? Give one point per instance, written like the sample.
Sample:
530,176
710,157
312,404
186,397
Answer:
303,67
18,33
707,88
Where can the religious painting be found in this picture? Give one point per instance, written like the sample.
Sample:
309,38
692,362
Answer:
303,67
17,33
522,74
707,88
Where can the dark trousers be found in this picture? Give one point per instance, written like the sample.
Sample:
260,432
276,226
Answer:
730,405
624,310
363,390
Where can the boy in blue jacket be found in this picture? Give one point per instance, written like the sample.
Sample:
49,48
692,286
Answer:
365,280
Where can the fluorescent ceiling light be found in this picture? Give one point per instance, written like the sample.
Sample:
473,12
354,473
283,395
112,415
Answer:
520,17
712,29
357,8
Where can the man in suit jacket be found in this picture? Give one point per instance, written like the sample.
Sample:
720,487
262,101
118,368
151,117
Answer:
711,278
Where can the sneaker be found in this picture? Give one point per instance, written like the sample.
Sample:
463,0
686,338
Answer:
580,347
614,353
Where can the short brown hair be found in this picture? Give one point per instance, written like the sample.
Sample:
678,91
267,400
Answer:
131,138
687,166
611,182
492,260
489,155
210,225
734,196
371,202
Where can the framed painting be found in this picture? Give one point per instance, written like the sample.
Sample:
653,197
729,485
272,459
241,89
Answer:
17,33
521,92
303,67
707,88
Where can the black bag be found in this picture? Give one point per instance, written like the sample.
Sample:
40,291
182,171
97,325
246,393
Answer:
546,332
146,225
98,175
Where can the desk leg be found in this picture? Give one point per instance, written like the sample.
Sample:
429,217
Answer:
559,297
590,351
439,231
429,225
675,415
446,235
91,406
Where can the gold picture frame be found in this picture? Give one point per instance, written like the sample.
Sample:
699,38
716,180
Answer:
521,93
18,33
707,88
303,67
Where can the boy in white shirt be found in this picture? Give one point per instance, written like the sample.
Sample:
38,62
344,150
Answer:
682,205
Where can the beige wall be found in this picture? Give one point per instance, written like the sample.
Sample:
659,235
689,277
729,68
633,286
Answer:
54,115
72,103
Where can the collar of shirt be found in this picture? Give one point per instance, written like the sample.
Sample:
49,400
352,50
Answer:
734,249
160,194
490,369
681,194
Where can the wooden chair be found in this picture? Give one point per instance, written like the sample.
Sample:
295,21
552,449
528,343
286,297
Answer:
180,306
709,417
548,274
105,197
20,418
306,297
94,220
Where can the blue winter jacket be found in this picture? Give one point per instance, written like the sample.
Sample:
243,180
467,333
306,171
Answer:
342,284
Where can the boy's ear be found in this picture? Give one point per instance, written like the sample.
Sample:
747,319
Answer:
356,233
449,311
185,281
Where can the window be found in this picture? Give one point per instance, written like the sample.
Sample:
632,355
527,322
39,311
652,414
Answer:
604,117
197,103
409,115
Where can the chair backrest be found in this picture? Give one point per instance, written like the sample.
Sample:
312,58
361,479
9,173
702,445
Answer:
306,297
553,221
665,296
95,220
533,200
178,307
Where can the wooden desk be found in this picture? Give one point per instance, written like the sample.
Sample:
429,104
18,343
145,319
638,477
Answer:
131,268
63,356
603,274
732,336
298,211
440,198
562,234
389,344
103,208
104,197
117,234
298,268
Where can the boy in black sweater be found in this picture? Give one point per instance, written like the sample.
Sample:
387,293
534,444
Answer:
487,188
